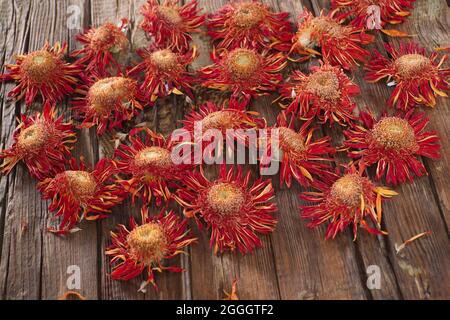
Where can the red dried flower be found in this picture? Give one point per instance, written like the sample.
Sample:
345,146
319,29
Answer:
107,102
300,157
250,23
103,48
359,11
244,72
42,142
348,199
43,72
324,93
148,164
78,193
170,24
340,45
165,72
418,77
147,245
393,144
233,210
213,117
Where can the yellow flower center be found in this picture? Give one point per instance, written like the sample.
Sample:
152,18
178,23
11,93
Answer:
324,84
412,65
220,120
39,66
243,63
248,15
32,138
165,60
147,243
395,133
347,190
291,141
169,14
82,184
153,156
105,93
225,198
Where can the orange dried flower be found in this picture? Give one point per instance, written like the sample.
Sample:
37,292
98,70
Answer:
325,93
244,72
170,24
78,193
165,72
346,200
418,78
147,245
234,210
394,144
43,72
250,23
42,142
358,11
107,102
339,44
300,156
147,164
103,48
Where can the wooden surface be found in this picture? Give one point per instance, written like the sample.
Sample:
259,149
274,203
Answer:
294,262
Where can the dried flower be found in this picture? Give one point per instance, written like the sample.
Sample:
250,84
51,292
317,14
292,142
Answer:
243,72
148,166
147,245
339,44
103,48
300,157
42,142
359,11
235,211
165,72
418,77
250,23
170,24
348,200
78,193
43,72
324,93
107,102
393,144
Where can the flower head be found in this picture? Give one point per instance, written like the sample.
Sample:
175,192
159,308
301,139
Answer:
394,144
234,211
243,72
339,44
418,77
359,11
78,193
148,166
165,72
103,48
107,102
249,23
299,155
347,200
231,121
324,93
42,142
43,72
170,24
148,245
